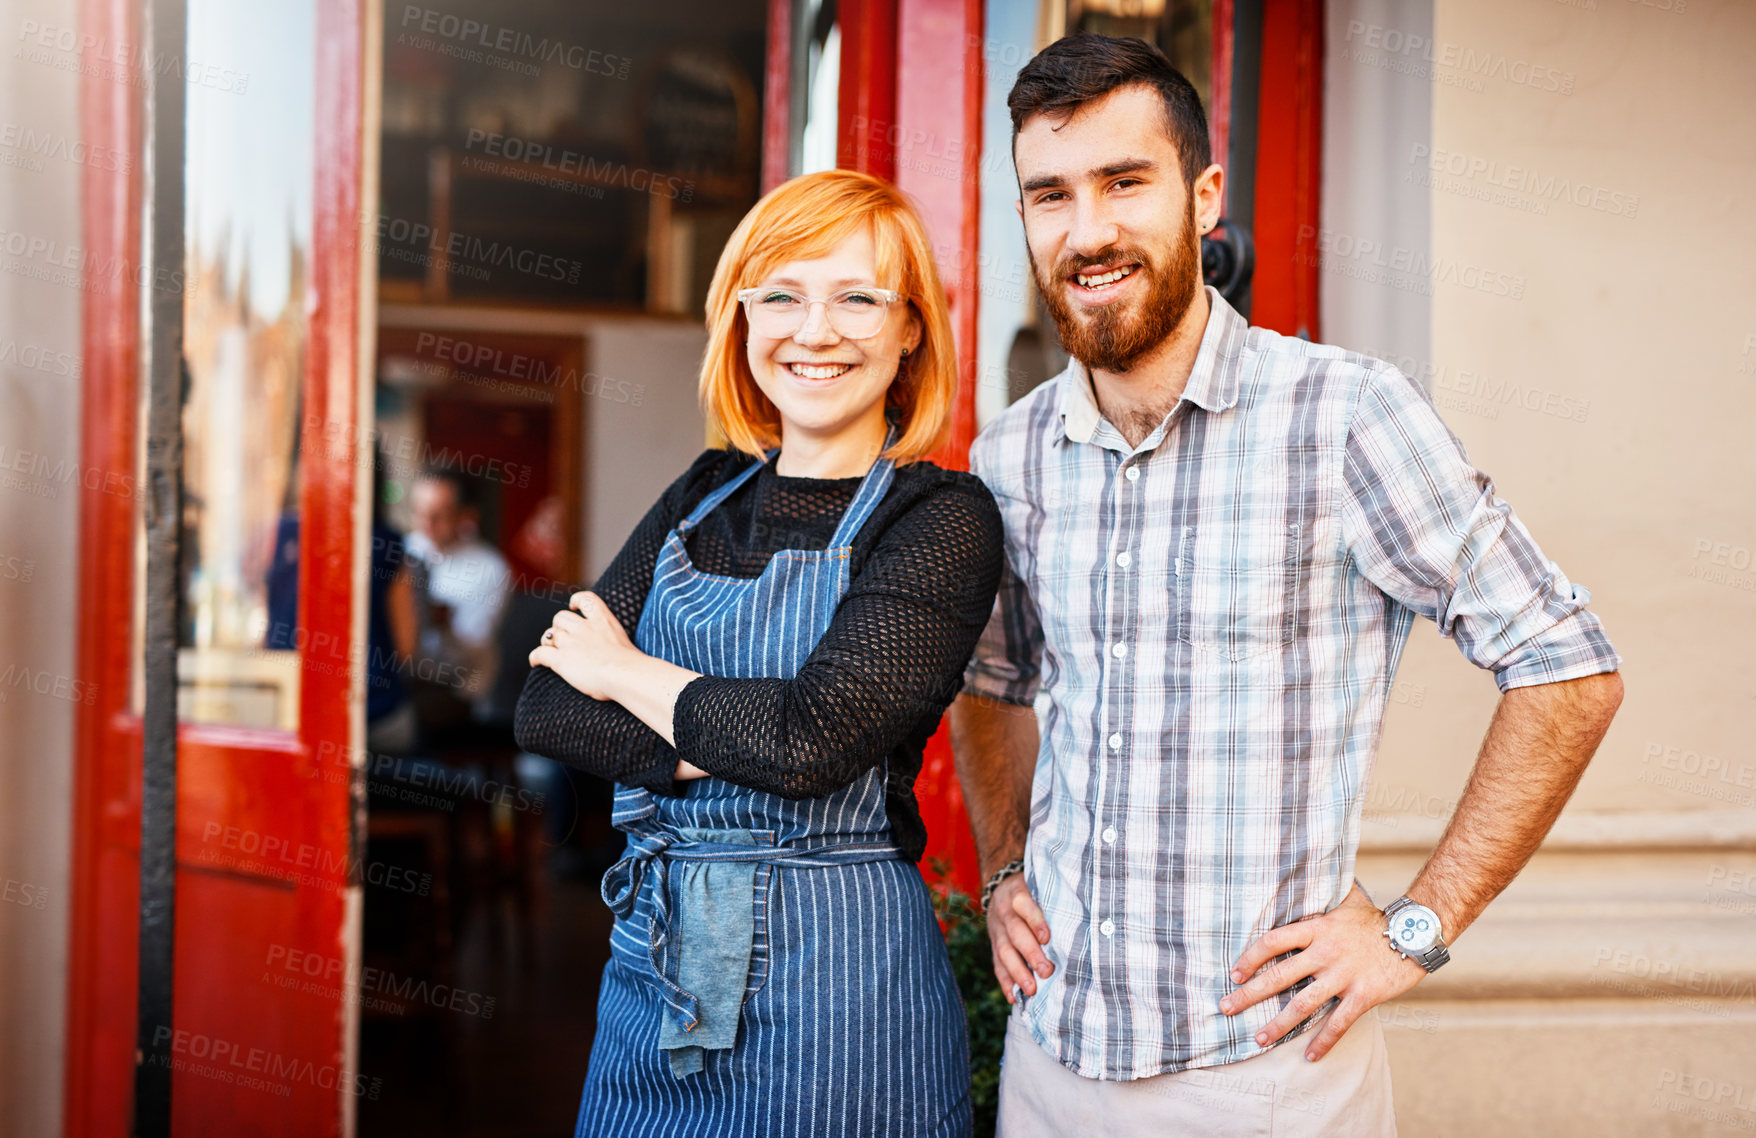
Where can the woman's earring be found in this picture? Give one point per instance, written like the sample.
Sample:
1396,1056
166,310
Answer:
905,351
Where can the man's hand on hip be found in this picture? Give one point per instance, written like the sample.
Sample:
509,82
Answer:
1018,932
1345,953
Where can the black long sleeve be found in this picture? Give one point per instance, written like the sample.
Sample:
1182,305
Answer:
890,662
923,573
555,719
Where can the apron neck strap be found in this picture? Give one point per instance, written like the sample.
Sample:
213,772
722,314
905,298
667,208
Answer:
708,504
872,489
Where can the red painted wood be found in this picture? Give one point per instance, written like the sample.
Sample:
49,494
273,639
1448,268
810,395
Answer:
1289,166
777,106
1219,102
105,888
285,796
937,162
866,102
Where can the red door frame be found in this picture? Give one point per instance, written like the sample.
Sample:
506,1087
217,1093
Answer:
938,42
1289,168
101,981
266,783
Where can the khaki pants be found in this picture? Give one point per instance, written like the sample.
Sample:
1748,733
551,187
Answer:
1277,1094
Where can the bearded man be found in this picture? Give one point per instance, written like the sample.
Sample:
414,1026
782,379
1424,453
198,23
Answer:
1217,540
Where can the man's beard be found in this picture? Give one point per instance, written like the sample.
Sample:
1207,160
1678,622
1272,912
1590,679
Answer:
1108,337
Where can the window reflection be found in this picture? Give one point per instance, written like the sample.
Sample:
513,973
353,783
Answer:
1182,29
249,183
817,86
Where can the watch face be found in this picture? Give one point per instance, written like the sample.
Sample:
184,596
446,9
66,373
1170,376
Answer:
1415,929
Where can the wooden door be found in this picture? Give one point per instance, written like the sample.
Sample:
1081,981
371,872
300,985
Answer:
271,665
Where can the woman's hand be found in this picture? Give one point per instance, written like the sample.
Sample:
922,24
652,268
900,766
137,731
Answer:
587,647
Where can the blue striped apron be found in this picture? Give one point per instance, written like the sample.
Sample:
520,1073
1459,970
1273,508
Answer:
787,936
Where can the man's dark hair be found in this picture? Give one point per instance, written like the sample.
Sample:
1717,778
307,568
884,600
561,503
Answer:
462,486
1076,69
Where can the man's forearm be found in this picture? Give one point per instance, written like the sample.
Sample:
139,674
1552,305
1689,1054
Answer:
1535,751
995,745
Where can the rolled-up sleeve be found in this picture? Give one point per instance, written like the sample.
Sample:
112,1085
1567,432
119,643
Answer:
1007,662
1425,526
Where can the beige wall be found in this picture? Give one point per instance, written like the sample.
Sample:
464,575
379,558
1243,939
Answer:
1604,372
637,448
39,413
1649,318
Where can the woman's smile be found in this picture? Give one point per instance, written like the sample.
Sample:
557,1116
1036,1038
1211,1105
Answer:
816,373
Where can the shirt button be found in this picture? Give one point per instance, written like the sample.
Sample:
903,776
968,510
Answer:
1108,928
1124,559
1118,650
1116,741
1110,835
1133,474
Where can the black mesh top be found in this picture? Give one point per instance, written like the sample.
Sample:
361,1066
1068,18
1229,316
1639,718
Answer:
923,573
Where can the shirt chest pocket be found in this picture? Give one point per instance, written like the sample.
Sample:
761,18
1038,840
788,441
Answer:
1236,591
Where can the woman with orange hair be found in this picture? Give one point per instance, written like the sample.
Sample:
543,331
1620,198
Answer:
802,605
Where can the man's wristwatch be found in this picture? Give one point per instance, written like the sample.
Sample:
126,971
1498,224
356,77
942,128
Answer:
1414,931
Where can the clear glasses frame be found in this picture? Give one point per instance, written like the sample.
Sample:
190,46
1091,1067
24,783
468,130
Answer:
785,320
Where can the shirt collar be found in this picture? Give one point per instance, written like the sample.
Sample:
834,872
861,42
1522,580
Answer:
1213,381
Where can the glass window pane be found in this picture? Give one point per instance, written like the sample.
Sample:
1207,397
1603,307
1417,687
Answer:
249,182
1182,29
818,134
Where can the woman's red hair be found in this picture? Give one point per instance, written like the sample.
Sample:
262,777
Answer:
804,219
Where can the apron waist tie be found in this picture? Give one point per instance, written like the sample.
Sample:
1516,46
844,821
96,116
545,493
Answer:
712,936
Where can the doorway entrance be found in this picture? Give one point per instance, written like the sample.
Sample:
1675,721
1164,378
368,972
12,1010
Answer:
450,277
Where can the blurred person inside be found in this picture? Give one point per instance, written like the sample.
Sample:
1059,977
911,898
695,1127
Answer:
461,583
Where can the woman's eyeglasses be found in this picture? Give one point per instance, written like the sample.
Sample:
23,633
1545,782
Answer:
854,313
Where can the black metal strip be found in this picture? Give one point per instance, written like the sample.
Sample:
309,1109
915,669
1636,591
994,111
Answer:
1246,105
166,381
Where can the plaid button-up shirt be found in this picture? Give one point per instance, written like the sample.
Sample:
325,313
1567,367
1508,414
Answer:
1216,617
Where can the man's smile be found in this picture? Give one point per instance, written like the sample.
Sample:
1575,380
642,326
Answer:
1100,284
